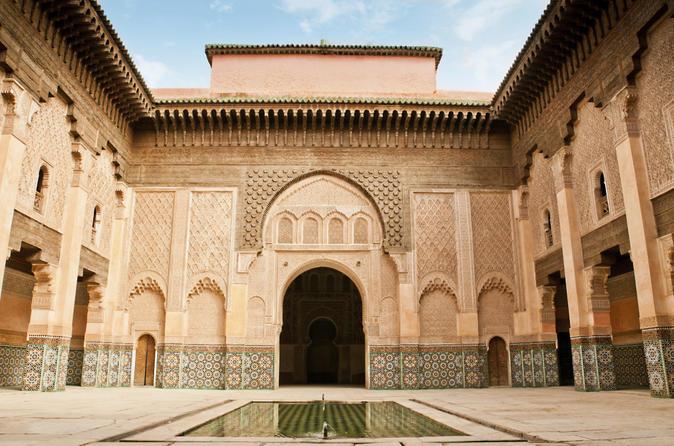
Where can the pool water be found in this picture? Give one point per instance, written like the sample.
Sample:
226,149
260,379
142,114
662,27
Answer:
305,420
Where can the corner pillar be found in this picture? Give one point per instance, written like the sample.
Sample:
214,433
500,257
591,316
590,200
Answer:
12,150
107,349
590,327
656,305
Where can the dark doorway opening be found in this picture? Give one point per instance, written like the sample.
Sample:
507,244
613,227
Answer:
145,353
562,324
322,353
322,339
497,357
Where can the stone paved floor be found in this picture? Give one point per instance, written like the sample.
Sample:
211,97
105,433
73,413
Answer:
542,416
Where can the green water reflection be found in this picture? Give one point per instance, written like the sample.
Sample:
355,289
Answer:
305,420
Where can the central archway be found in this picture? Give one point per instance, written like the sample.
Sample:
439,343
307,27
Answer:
322,339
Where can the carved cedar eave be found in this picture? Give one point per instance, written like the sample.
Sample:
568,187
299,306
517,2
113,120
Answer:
564,37
316,124
85,41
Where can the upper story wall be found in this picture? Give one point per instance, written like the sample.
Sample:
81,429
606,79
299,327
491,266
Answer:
323,75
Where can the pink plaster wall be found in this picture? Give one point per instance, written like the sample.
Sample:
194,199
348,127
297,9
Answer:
322,75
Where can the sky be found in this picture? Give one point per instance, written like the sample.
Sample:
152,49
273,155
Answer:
480,38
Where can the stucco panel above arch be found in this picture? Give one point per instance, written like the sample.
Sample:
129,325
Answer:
263,188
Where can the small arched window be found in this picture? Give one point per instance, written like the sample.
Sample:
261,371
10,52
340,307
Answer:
360,231
547,228
285,230
96,226
41,189
335,231
601,195
310,234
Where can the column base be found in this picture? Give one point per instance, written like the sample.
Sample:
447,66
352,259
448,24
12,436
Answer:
107,365
659,352
534,364
593,367
46,365
75,363
12,358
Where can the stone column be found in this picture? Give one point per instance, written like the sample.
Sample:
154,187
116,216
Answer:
50,325
533,355
12,150
655,306
46,363
590,333
106,340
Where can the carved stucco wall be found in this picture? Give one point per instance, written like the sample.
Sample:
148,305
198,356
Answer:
389,320
206,318
101,185
151,239
495,314
491,220
434,235
656,107
48,143
542,196
592,149
262,186
147,315
437,317
209,235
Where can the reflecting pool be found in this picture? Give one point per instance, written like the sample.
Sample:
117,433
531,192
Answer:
306,420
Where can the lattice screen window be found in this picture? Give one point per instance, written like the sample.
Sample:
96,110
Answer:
336,231
360,231
547,228
285,230
41,189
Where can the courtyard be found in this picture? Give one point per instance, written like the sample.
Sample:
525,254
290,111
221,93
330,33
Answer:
503,416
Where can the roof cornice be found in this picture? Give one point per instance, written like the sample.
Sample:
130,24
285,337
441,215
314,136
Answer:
343,50
563,38
231,100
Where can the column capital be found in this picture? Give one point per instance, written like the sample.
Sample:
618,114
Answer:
546,294
561,168
43,291
18,110
82,163
622,112
596,280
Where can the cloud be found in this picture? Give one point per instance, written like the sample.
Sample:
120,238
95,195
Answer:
488,64
318,12
480,16
154,72
365,16
219,6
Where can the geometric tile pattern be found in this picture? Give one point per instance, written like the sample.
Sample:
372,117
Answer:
427,367
46,364
12,358
659,353
533,364
215,367
593,365
74,374
630,365
106,365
